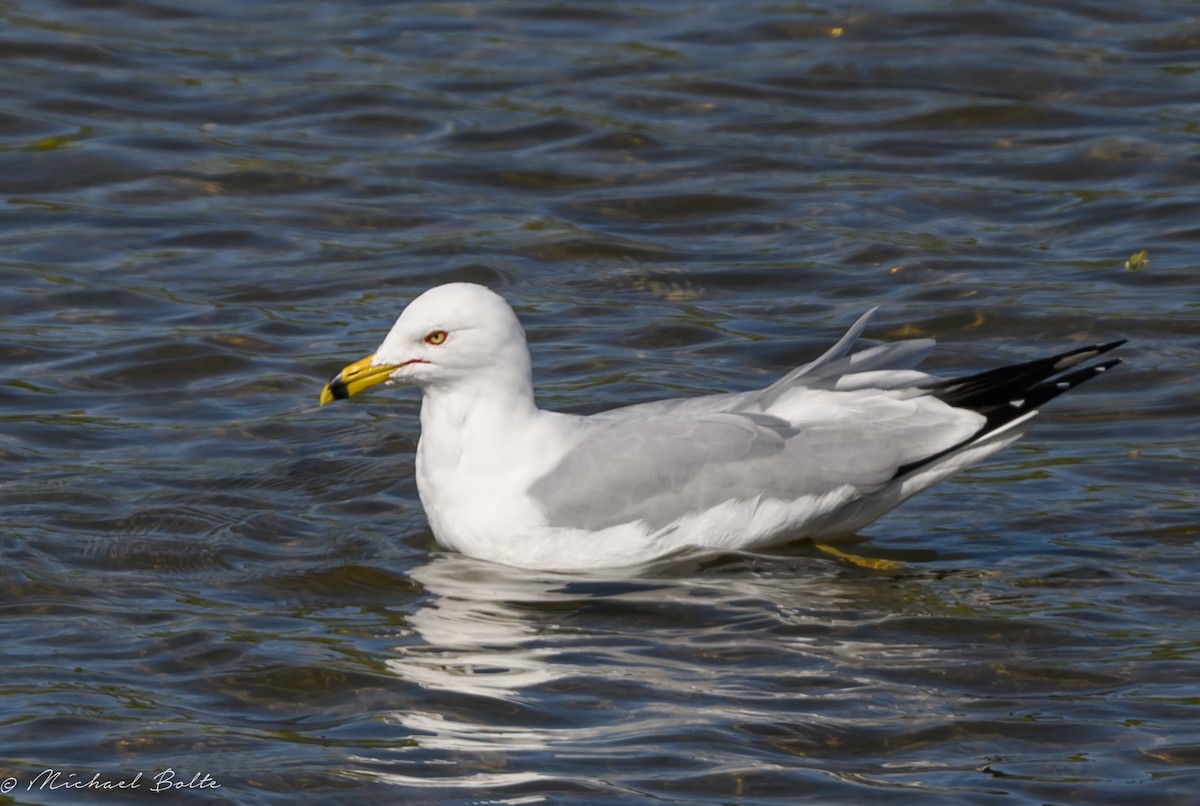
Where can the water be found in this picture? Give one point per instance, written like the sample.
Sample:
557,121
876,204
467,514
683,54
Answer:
213,207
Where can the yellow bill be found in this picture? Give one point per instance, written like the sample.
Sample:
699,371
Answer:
355,378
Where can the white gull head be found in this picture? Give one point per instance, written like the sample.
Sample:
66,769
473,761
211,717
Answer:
455,333
456,337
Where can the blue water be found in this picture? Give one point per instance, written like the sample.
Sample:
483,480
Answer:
211,208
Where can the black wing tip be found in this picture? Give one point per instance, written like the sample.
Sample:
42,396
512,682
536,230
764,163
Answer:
1023,397
985,389
1009,398
1078,356
1060,384
1005,394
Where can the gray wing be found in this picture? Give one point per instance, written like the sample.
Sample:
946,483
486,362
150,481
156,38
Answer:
660,468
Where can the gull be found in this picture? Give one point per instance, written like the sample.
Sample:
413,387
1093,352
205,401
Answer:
820,453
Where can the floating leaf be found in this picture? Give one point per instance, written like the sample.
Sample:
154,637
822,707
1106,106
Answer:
1138,260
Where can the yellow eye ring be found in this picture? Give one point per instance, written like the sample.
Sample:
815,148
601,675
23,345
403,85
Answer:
435,337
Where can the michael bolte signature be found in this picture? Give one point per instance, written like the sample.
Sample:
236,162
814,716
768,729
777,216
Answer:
162,781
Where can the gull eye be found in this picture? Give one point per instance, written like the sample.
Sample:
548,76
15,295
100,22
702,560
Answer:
435,337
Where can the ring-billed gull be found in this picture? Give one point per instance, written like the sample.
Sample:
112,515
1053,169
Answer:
820,453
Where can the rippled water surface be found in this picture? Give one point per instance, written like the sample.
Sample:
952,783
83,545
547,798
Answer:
211,207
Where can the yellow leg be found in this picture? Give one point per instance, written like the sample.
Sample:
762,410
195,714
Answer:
873,563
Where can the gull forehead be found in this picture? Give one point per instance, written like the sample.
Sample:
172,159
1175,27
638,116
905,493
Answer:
458,301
